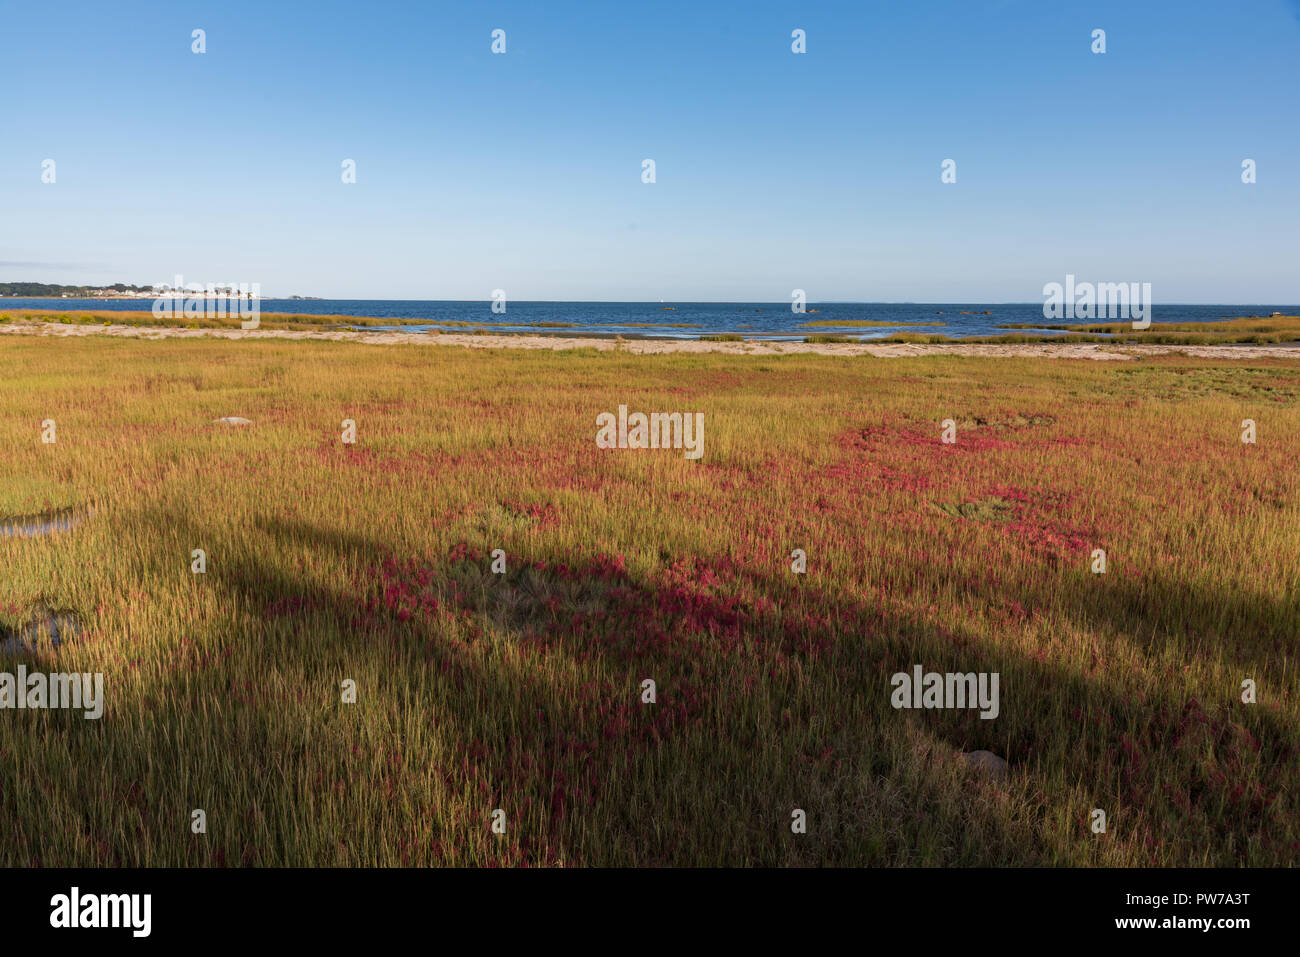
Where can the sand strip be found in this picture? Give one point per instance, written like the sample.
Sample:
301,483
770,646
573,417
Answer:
664,346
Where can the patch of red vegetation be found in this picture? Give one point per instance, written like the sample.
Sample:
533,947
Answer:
867,475
405,590
973,442
911,445
899,458
705,632
1222,760
871,460
1040,524
545,514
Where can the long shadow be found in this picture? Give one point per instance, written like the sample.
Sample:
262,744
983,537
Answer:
1160,615
655,622
762,705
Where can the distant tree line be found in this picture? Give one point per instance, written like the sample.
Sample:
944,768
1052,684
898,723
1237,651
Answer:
37,289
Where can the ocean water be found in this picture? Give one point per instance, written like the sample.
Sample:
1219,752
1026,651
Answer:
757,320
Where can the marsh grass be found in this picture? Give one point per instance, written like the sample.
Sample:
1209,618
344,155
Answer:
1244,330
479,691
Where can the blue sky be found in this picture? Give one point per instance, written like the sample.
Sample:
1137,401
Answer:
774,170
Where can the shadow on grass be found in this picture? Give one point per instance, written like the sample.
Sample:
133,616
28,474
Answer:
771,696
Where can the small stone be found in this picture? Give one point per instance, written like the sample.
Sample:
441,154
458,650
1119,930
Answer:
232,420
986,761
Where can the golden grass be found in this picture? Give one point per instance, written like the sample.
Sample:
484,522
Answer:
1239,330
522,691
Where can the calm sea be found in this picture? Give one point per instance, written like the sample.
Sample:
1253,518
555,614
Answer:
758,320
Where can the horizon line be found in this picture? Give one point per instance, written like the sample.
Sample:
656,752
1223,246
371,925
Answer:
715,302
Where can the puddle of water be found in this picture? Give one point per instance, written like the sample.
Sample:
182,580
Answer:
34,526
46,629
44,632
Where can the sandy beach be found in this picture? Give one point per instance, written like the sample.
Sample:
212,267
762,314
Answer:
665,346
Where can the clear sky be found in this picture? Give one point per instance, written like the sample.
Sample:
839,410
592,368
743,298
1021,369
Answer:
774,170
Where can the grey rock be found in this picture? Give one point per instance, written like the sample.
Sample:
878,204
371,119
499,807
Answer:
987,762
232,420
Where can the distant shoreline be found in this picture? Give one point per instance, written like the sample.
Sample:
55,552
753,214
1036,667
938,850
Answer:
78,300
813,305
